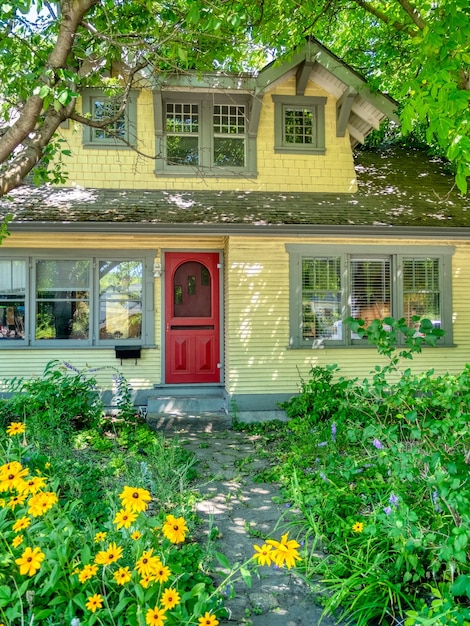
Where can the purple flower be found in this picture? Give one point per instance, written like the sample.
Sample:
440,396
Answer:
387,510
393,499
377,444
435,499
322,444
333,431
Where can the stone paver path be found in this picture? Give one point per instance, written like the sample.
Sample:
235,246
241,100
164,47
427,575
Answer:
241,508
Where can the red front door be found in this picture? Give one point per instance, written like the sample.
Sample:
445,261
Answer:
192,318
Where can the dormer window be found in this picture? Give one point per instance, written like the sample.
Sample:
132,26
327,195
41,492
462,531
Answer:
119,134
299,124
204,135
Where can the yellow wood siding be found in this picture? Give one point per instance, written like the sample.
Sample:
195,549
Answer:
148,369
257,320
126,169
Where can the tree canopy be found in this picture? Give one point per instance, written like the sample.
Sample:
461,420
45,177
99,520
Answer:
50,51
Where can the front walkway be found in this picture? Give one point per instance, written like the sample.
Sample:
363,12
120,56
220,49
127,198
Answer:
243,512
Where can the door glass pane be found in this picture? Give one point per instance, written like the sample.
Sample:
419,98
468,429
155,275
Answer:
421,294
62,299
195,296
321,298
370,289
12,299
120,286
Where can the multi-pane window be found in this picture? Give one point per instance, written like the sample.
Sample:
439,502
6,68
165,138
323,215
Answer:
88,301
108,108
299,124
182,133
121,131
229,135
207,134
368,287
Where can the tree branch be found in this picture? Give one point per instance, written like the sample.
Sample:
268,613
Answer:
383,17
413,13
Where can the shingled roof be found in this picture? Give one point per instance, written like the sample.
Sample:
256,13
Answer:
398,191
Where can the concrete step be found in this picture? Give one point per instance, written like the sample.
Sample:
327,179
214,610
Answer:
189,404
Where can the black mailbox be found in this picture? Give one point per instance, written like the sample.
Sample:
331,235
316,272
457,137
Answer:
127,352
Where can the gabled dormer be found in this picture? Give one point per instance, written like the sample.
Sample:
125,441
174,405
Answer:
290,127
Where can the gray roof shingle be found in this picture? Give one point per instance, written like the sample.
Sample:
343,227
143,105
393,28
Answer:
396,188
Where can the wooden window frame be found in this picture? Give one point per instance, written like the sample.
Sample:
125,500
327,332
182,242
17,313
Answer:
396,254
89,97
315,104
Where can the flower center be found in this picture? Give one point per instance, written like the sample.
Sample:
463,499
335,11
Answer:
135,495
176,527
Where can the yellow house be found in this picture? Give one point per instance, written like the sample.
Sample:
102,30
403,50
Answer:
212,242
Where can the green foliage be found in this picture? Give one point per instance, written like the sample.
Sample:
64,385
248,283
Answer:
383,489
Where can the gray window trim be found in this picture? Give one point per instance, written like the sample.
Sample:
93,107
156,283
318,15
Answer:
130,114
317,105
206,135
396,253
148,319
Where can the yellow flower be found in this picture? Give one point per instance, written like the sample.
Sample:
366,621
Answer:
145,581
170,599
122,575
15,501
112,554
136,535
99,537
21,523
135,498
32,485
17,541
94,602
263,557
162,574
357,527
124,518
30,561
11,474
285,551
175,529
41,502
208,620
87,572
3,503
148,564
155,617
16,428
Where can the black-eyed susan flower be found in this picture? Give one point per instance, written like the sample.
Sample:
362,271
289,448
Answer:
145,581
122,576
162,574
15,501
357,527
30,561
93,603
208,620
175,529
112,554
155,617
87,572
17,541
263,555
16,428
136,535
135,499
21,524
100,536
41,502
11,474
285,551
170,598
32,485
148,564
124,518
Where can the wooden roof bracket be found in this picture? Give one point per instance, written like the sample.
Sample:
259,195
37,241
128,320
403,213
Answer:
343,111
302,75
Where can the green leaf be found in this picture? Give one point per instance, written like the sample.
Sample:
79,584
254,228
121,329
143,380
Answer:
223,560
